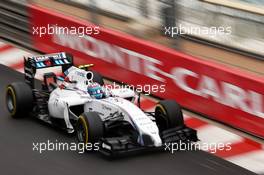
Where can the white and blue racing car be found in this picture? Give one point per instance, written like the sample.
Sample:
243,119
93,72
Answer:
79,102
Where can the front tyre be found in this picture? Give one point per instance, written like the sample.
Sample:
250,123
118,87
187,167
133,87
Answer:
19,99
168,114
89,128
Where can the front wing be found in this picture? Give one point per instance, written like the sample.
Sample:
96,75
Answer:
123,146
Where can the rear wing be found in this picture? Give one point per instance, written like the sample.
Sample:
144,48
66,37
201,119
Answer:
31,64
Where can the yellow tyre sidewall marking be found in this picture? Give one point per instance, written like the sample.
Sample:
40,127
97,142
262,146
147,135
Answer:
9,88
164,112
162,108
85,127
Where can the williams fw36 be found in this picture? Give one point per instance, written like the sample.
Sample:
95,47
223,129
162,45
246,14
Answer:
78,101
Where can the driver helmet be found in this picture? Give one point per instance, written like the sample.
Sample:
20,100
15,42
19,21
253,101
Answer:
95,90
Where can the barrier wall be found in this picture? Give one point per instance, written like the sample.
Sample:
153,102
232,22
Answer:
227,95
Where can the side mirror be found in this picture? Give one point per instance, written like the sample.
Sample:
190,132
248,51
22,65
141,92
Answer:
89,76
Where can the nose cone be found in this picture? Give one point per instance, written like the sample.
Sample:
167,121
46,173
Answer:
157,140
151,139
150,135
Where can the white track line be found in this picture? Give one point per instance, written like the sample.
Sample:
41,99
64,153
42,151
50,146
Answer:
20,70
12,56
253,161
3,44
213,134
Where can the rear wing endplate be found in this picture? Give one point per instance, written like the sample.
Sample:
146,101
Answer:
31,64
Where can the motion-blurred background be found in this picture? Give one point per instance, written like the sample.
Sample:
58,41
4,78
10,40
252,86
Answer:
147,19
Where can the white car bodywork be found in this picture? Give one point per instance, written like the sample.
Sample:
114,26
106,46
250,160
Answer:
61,99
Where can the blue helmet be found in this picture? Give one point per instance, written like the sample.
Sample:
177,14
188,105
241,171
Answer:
95,90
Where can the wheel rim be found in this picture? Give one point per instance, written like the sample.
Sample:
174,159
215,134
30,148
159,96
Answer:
81,133
82,130
10,101
161,121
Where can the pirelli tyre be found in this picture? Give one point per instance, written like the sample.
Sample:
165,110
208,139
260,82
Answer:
89,128
19,99
168,114
98,78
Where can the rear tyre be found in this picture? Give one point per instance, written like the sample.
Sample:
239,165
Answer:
98,78
89,128
19,99
168,114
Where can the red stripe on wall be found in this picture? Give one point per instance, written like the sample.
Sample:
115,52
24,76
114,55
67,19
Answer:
195,123
146,104
239,148
5,47
18,65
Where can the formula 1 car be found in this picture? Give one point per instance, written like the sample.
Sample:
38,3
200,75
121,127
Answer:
78,101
